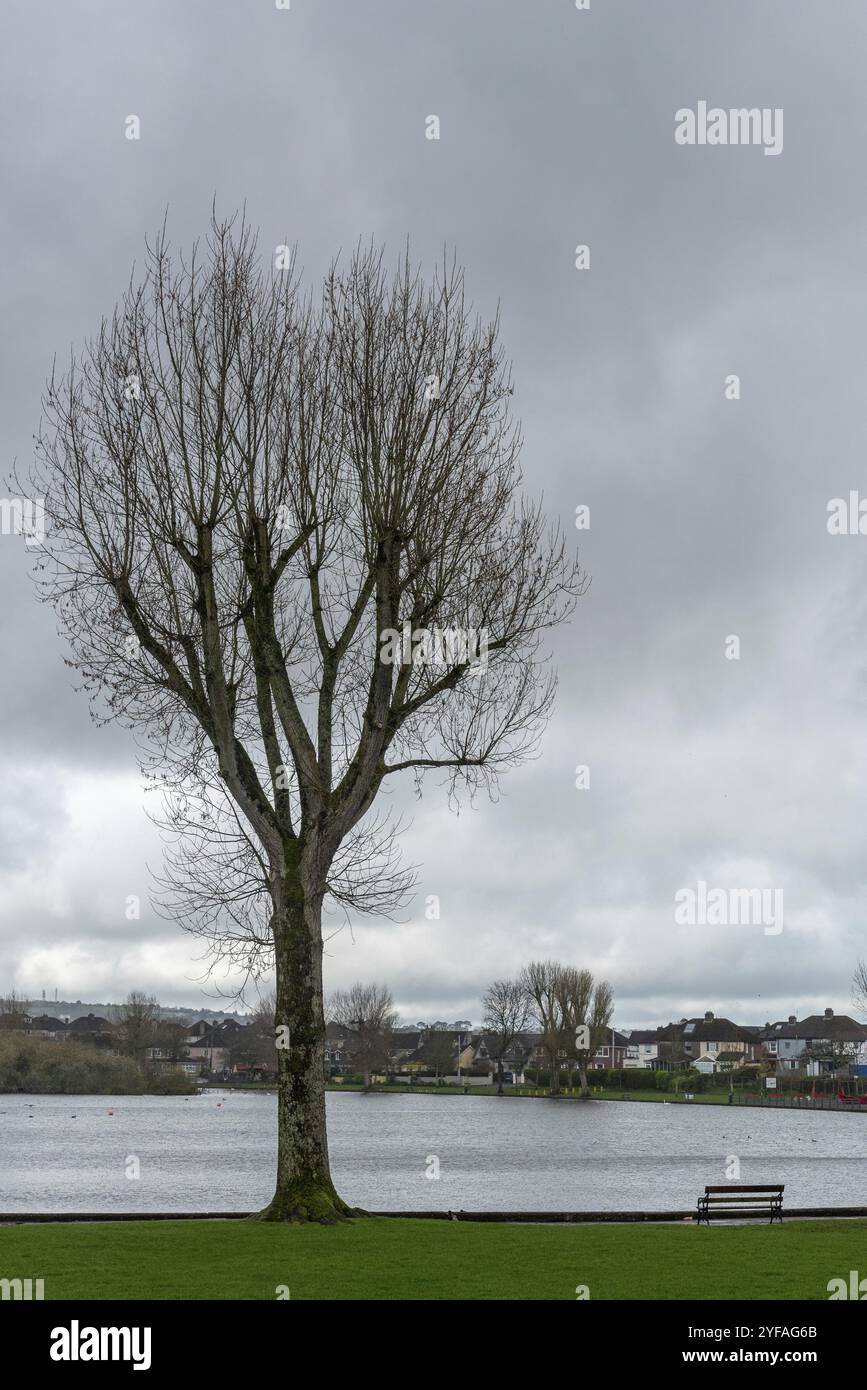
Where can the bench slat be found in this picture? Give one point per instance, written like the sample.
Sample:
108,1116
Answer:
748,1187
730,1214
745,1197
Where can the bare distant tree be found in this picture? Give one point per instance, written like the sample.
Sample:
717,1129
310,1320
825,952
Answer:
584,1002
13,1003
247,494
440,1051
564,999
506,1013
859,988
13,1011
256,1044
369,1011
136,1022
540,980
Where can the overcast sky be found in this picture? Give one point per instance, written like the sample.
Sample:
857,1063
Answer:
708,515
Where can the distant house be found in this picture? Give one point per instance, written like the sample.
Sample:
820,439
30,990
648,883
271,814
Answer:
683,1045
783,1049
419,1050
207,1044
14,1022
515,1061
92,1029
339,1049
403,1043
726,1043
47,1027
442,1051
171,1053
611,1053
825,1042
230,1027
516,1057
89,1025
209,1049
642,1048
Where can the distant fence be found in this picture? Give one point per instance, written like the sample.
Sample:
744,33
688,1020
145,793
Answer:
784,1101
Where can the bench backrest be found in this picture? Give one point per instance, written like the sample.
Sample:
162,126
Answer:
735,1194
748,1187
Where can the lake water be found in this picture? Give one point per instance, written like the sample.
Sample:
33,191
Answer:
215,1152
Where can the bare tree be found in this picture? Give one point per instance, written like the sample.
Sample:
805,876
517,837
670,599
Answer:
136,1021
540,980
247,494
506,1013
256,1045
369,1011
859,987
440,1050
584,1004
13,1011
13,1003
563,1000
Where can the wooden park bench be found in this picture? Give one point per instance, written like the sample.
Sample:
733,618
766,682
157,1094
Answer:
742,1201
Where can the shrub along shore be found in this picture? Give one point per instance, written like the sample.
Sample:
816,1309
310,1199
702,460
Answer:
34,1066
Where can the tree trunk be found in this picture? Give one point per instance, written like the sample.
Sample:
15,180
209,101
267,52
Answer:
555,1074
499,1076
582,1072
304,1190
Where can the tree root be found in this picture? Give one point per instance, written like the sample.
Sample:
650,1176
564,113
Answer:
309,1201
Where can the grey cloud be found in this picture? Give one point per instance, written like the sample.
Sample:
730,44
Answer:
708,517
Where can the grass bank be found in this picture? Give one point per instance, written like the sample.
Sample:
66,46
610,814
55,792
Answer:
706,1098
531,1092
381,1258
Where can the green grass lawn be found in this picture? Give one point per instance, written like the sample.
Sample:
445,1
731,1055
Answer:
381,1258
673,1098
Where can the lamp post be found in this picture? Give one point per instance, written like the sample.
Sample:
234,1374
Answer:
357,1024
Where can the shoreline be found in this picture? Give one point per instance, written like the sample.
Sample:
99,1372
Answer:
742,1101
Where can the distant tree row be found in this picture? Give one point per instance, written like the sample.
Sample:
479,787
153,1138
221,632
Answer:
569,1009
565,1006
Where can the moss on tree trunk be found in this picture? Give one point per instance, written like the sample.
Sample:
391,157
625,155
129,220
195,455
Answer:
304,1190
